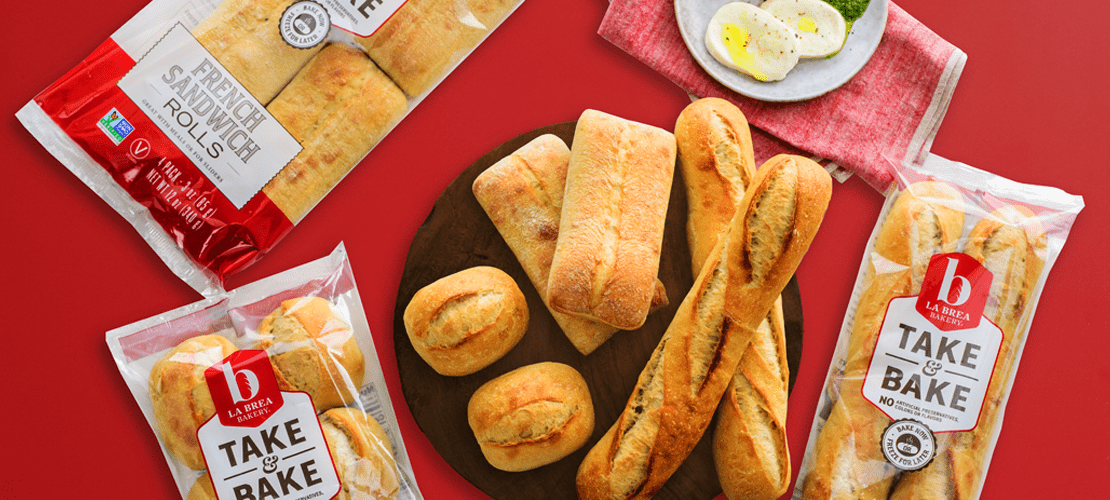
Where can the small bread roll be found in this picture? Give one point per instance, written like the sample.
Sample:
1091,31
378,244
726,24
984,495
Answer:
180,394
312,350
464,322
362,455
531,416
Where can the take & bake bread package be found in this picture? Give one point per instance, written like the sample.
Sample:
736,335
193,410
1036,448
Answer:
270,390
215,126
931,341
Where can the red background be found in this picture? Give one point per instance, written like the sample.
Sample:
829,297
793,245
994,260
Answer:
1031,105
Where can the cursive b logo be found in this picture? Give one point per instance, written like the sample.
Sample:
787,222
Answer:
954,292
244,389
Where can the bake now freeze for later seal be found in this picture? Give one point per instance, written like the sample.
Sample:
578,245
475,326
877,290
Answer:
214,126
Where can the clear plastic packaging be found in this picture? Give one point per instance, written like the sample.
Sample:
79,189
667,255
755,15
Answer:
214,126
331,360
933,335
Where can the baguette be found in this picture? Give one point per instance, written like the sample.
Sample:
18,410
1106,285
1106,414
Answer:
338,107
679,389
925,220
749,444
611,228
1011,245
244,36
717,163
523,196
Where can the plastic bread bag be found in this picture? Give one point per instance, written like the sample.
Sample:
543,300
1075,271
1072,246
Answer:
271,390
929,346
215,127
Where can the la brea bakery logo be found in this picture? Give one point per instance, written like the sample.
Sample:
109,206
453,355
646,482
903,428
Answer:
954,292
244,389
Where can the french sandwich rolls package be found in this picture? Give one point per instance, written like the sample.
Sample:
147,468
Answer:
931,341
678,391
214,126
271,390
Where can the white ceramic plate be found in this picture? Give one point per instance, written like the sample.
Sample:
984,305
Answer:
809,79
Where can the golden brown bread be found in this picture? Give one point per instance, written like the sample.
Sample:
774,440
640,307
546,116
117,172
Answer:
749,443
243,35
362,454
523,196
425,38
180,394
926,219
531,416
338,107
679,389
717,162
202,489
1011,245
611,228
464,322
313,350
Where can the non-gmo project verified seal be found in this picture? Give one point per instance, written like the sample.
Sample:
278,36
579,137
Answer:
115,126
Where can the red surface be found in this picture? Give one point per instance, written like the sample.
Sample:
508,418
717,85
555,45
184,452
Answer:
1030,105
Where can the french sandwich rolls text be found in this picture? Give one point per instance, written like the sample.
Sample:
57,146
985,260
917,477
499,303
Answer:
717,163
679,389
925,220
523,195
1011,245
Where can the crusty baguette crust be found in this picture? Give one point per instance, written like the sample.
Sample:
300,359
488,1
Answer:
925,220
611,228
523,195
243,35
678,391
338,107
749,444
717,163
1011,245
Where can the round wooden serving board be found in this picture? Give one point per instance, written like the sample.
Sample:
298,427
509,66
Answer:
458,235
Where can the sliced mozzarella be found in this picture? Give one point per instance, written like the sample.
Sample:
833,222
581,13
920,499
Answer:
820,28
750,40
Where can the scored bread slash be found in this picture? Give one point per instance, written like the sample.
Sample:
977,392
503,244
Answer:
678,391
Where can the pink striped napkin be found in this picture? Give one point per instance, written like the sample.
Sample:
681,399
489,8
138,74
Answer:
889,112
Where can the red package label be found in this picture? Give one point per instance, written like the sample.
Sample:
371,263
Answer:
244,389
954,292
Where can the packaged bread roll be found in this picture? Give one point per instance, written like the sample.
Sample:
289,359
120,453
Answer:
523,196
338,107
532,416
424,39
362,455
312,350
464,322
611,229
180,394
679,389
244,36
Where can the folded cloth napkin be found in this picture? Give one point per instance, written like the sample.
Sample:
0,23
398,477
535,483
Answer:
889,112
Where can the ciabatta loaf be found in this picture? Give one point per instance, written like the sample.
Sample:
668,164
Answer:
523,196
611,228
925,220
678,391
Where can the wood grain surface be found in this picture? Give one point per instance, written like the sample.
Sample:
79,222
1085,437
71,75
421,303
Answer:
458,235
